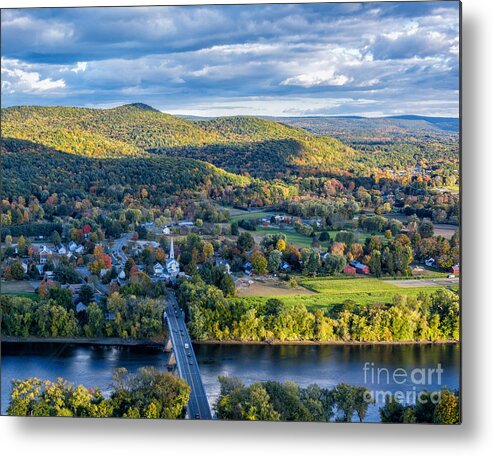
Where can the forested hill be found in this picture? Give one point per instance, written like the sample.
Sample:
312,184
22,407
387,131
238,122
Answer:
244,145
33,169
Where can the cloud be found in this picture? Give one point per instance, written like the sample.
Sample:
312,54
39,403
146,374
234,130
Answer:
20,77
318,78
236,57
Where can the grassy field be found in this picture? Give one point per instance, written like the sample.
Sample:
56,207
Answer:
272,288
252,215
334,291
21,288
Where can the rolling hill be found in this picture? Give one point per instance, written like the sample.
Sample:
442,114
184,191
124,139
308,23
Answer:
244,145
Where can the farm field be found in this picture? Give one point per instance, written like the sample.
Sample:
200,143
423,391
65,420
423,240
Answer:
272,288
18,288
445,230
334,291
237,215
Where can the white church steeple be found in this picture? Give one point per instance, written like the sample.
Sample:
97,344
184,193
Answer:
171,251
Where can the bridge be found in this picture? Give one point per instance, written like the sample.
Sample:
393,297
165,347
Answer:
186,363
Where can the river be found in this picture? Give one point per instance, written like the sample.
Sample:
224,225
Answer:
326,365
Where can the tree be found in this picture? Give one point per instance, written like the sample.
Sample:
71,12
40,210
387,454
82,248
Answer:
259,262
324,236
245,241
334,263
375,263
447,410
227,285
17,271
62,296
392,411
21,246
350,400
312,264
274,261
86,294
234,229
95,321
338,248
56,238
426,229
281,245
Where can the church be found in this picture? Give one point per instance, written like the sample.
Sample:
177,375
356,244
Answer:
172,266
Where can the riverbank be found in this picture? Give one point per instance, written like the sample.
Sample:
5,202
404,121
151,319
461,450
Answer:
158,343
328,342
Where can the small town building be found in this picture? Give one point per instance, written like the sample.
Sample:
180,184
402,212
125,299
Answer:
61,249
158,269
360,267
172,265
348,269
455,269
81,307
44,253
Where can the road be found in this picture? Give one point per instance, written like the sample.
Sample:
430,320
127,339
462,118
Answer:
188,368
117,252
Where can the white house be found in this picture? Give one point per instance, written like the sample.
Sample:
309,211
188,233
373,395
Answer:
61,249
158,269
167,230
72,246
44,253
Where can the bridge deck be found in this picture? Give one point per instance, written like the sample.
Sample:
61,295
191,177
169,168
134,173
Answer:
186,362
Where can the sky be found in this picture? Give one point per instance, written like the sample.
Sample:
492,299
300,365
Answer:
368,59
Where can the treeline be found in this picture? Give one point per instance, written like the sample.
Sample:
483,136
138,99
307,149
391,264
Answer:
122,316
32,230
438,407
429,317
146,394
274,401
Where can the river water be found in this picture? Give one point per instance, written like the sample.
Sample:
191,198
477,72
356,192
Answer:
396,368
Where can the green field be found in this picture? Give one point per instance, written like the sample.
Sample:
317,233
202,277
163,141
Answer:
252,215
333,291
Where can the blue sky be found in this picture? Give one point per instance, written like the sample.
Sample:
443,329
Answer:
368,59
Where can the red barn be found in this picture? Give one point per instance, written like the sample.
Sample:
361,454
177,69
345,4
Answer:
455,269
349,270
360,267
